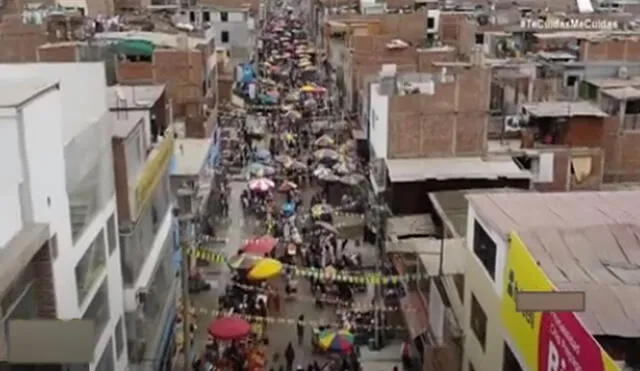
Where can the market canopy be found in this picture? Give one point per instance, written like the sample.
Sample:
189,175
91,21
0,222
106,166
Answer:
142,48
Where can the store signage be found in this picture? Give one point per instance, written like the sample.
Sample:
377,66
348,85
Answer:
153,172
548,341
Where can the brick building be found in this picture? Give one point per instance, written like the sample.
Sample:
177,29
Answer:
185,65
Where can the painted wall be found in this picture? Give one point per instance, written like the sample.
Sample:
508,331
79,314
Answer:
150,264
43,180
50,123
378,121
83,86
485,289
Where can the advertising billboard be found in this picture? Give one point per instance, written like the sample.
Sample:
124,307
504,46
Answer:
547,341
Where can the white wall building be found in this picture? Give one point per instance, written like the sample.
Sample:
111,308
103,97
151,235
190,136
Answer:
62,143
233,28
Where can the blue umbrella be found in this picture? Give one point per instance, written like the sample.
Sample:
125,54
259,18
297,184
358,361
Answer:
263,154
289,208
256,168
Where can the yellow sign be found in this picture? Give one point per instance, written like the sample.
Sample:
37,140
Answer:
540,338
153,173
522,273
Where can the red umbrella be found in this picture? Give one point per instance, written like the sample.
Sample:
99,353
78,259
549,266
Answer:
260,246
229,328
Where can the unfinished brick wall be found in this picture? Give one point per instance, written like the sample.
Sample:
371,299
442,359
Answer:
181,71
612,49
561,173
58,53
451,122
450,26
622,158
564,180
371,52
18,41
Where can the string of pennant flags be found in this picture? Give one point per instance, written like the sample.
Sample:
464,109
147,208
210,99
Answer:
295,321
374,278
345,305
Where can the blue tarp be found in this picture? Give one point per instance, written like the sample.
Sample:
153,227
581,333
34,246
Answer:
248,74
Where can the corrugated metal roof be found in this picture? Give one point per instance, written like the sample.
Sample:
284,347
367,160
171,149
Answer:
453,207
419,169
563,109
399,226
583,241
604,262
626,93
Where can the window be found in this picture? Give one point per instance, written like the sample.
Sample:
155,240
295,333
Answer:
192,17
509,361
224,17
53,247
106,362
478,322
90,266
206,17
572,80
98,311
135,156
18,287
485,249
458,280
431,23
112,234
224,36
479,39
119,338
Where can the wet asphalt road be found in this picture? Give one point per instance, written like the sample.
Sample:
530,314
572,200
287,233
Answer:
236,229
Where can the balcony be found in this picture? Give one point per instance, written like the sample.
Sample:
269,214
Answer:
154,171
140,168
89,174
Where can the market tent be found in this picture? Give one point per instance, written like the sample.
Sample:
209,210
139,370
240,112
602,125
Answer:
141,48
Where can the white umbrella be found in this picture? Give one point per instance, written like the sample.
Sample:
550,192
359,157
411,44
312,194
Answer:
261,184
322,171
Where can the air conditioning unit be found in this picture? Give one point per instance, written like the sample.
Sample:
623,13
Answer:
513,123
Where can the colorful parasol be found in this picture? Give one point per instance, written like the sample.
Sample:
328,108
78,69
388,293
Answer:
336,341
265,269
229,328
284,159
261,184
260,246
319,210
287,186
308,88
324,141
258,169
243,261
326,154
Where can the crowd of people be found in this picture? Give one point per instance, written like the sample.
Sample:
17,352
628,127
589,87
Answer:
287,140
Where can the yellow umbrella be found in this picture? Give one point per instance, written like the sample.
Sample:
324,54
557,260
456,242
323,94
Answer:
265,269
308,88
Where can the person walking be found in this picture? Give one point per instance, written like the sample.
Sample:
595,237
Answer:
300,329
289,357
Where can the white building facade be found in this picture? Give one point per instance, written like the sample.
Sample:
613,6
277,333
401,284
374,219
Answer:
65,149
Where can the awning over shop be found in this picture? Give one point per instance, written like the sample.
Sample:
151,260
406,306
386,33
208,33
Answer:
140,48
415,314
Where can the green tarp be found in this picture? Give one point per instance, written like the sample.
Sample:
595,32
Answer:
136,48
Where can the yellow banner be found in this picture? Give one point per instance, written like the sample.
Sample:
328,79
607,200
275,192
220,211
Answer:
541,338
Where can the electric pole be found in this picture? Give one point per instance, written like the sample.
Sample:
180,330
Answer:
185,222
380,215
